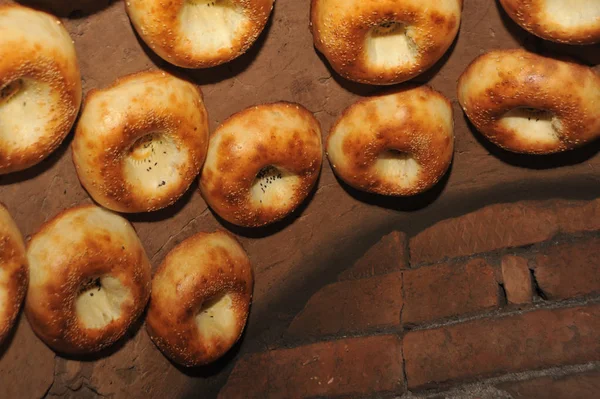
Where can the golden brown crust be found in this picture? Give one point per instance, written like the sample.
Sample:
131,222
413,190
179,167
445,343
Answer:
14,273
501,81
572,22
147,104
78,245
341,31
284,135
160,25
416,122
40,85
200,268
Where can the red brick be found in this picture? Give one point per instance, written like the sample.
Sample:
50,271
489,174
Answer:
503,226
446,290
569,270
578,386
484,347
517,280
387,256
352,366
574,219
351,306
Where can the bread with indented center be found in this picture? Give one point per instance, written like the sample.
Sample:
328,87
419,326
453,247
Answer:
13,272
528,103
563,21
399,144
40,86
141,142
200,299
89,280
262,163
384,42
199,33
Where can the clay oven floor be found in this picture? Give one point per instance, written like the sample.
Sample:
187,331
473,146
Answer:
294,258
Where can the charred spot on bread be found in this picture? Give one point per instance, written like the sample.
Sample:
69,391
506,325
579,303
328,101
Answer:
10,90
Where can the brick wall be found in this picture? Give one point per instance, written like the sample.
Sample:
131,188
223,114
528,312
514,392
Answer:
500,303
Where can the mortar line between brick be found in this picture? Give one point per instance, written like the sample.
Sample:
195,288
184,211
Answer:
407,251
536,286
402,330
401,335
558,239
373,395
558,371
502,295
378,332
507,312
404,376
